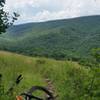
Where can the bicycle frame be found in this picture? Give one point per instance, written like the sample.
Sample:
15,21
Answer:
29,95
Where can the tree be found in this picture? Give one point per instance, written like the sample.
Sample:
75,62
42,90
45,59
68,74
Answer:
96,54
5,19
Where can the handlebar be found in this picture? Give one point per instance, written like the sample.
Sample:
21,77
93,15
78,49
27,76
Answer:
29,96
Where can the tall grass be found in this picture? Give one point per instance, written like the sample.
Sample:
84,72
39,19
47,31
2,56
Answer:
71,80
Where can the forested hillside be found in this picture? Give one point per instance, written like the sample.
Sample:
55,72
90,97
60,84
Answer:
60,39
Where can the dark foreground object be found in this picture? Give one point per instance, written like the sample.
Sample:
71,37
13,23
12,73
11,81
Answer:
29,95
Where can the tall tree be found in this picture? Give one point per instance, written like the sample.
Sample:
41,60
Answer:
5,19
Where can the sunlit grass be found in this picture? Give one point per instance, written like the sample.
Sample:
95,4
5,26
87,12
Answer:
35,70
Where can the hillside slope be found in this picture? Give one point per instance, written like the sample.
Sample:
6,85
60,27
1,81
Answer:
68,38
71,81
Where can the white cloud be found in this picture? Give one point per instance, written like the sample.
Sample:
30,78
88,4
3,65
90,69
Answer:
42,10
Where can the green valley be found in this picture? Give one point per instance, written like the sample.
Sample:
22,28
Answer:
59,39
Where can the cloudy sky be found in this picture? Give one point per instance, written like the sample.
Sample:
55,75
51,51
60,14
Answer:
43,10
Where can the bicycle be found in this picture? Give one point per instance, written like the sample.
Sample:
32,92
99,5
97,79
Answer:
29,95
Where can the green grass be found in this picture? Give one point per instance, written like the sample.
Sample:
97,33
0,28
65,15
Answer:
69,78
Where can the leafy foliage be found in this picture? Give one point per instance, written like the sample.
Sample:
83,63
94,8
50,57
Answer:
5,19
96,54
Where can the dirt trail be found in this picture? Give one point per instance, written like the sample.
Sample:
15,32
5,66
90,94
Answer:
50,86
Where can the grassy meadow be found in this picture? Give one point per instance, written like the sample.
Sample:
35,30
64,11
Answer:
71,80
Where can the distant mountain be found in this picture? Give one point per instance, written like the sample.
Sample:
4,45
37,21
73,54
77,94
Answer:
67,38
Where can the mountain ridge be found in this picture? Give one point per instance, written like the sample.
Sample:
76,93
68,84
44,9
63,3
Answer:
57,20
64,38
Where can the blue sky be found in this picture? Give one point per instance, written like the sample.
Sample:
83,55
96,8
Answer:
43,10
